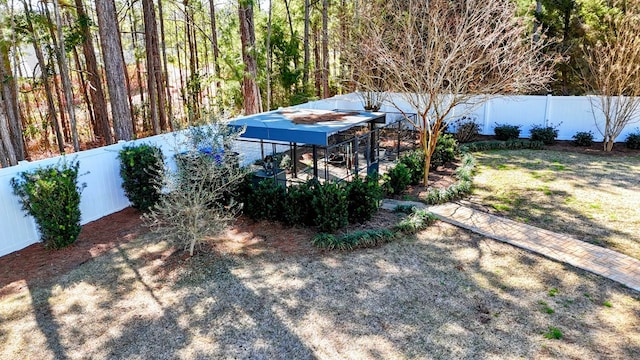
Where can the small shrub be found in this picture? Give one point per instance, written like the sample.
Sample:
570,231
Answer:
364,198
194,208
582,138
330,207
506,132
445,152
52,196
364,238
467,129
416,221
633,140
141,169
553,333
546,134
502,145
415,163
296,208
266,201
397,179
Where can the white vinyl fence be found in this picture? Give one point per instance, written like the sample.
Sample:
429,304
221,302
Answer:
100,167
569,114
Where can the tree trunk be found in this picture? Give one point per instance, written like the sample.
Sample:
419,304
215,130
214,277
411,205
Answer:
293,34
93,126
114,69
305,42
66,79
250,90
10,98
165,69
96,91
51,107
151,43
317,69
214,45
8,153
325,49
134,42
269,57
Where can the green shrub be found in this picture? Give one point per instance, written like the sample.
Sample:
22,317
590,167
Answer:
414,161
266,201
297,209
364,238
506,131
502,145
467,129
141,169
582,138
52,196
397,179
418,220
364,198
633,140
445,152
330,207
546,134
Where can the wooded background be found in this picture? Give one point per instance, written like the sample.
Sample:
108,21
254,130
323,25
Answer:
80,74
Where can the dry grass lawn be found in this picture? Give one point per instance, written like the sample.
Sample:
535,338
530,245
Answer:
595,198
444,293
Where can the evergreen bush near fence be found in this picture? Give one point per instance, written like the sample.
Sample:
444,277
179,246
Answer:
502,145
633,140
52,196
546,134
506,132
582,138
141,169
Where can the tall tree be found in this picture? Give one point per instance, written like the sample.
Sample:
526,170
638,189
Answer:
114,69
325,49
96,90
44,72
250,90
305,44
9,96
66,78
440,54
155,83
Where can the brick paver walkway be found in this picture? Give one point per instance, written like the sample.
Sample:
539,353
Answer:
564,248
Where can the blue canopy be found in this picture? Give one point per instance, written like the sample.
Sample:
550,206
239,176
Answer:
302,126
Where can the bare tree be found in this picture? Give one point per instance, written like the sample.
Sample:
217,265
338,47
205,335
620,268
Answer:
614,70
439,54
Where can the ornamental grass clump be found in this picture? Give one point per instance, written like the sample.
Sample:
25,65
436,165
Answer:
51,195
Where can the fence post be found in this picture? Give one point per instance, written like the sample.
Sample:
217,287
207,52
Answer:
487,113
547,110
